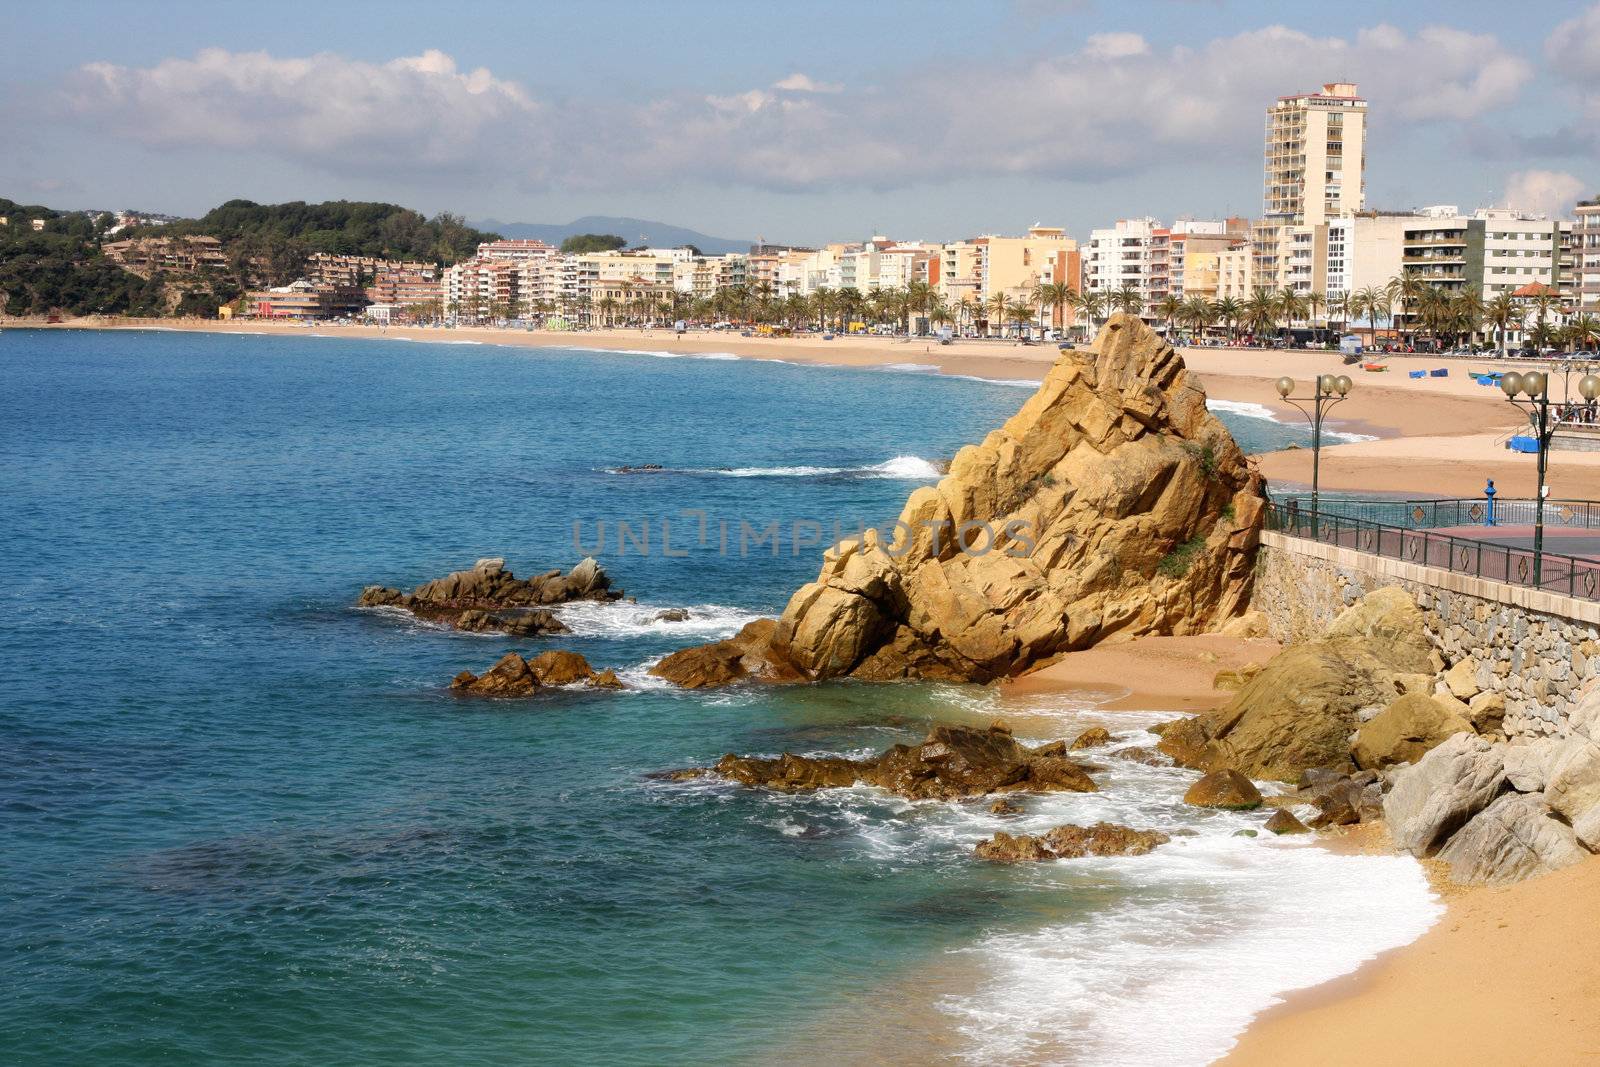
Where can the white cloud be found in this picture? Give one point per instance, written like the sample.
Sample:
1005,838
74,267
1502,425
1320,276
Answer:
1573,50
1550,192
1117,106
1115,46
803,83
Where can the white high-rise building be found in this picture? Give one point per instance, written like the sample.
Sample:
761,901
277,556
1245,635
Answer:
1315,167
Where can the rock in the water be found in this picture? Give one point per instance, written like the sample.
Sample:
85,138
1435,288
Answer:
1515,837
1438,795
1404,731
1071,842
1300,711
1115,504
952,762
748,654
1284,822
672,615
1224,789
1093,737
490,598
1004,807
513,676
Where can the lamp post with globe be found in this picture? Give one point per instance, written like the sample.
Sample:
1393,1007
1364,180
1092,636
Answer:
1327,390
1534,386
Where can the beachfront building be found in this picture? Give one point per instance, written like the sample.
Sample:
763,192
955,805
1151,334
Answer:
969,274
1236,271
1586,256
1131,255
350,272
1314,170
145,256
302,301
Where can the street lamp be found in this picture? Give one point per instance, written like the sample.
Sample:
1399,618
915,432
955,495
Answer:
1535,385
1327,390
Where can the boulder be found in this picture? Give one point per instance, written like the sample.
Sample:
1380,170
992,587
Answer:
950,763
1462,680
1573,786
1487,713
1284,822
1093,737
1528,765
1436,796
558,667
490,598
1224,789
1071,842
1300,711
672,615
1234,679
748,654
1404,730
1004,807
1515,837
1116,505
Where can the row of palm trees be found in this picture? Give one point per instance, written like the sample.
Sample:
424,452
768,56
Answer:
1416,308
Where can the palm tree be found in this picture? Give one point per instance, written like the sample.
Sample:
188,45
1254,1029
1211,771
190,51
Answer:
1128,299
822,302
999,303
1018,312
1093,304
1466,313
1583,330
1228,311
1290,306
1500,313
1407,288
1260,313
1315,302
1167,309
1052,295
1198,313
1375,303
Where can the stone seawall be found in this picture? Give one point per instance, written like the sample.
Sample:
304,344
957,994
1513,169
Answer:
1533,648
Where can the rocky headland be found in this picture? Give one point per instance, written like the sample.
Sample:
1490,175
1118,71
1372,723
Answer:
1112,505
489,598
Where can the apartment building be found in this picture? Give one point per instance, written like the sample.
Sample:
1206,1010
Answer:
303,301
326,268
1314,170
1586,256
145,256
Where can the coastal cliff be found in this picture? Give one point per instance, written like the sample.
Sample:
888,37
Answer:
1112,505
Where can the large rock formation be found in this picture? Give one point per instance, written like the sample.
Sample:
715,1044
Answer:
1113,504
1435,797
1302,708
490,598
952,762
513,676
1070,842
1515,837
1404,731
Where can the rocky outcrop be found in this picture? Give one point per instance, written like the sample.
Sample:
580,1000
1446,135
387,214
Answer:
490,598
1113,504
1515,837
1070,842
1438,795
951,762
514,676
1284,822
1226,789
747,654
1301,709
1093,737
1404,731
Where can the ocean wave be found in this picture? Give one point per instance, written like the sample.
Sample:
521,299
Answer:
1016,383
615,618
1249,410
905,468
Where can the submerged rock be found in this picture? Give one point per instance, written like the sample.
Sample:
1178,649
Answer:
1115,504
514,676
1302,707
951,762
490,598
1070,842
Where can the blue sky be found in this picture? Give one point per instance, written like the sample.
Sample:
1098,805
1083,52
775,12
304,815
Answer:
803,122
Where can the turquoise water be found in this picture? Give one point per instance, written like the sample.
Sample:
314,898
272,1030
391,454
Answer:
245,821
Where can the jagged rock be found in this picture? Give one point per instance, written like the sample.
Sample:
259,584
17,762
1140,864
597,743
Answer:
1300,711
1284,822
490,598
1150,757
748,654
1004,807
1252,623
1573,788
1435,797
1071,842
1515,837
1487,713
1224,789
1462,680
1130,509
951,762
1404,730
1093,737
672,615
1528,765
513,676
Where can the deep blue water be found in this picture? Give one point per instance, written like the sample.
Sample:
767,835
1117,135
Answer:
242,820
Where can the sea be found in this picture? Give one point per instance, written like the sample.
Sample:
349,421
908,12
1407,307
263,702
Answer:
245,821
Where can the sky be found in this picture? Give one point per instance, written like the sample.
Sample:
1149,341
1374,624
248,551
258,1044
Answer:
804,122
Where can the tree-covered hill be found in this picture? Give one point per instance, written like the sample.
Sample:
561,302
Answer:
344,227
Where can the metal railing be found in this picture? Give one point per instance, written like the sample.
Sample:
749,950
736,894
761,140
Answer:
1572,576
1431,513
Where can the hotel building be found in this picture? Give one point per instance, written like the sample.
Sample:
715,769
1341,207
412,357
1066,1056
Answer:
1315,164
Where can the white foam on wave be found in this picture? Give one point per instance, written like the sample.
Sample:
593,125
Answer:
616,618
904,468
1018,383
1250,410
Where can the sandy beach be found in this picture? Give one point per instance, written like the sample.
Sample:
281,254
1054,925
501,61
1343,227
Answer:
1436,436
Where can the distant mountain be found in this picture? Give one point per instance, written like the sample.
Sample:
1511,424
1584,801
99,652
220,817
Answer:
635,231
